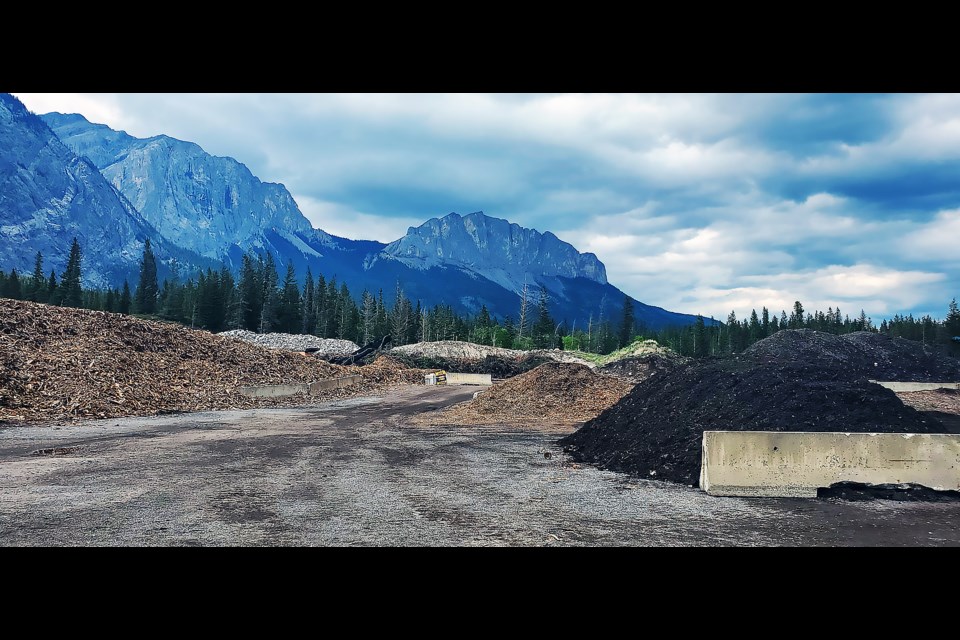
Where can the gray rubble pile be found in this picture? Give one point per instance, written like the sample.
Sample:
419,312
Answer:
294,342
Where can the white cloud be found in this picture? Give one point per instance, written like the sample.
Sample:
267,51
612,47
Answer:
97,107
936,241
340,220
672,192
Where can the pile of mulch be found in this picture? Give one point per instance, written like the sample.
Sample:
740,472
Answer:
657,429
60,363
389,370
555,393
874,355
942,404
497,366
638,368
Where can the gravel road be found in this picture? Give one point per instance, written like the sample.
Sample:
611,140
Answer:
355,472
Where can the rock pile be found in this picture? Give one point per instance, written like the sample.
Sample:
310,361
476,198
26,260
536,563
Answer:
294,342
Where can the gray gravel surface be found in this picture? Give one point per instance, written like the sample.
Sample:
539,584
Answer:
354,472
294,342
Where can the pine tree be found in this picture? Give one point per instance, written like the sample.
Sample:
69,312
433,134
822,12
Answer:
320,307
13,289
543,328
53,289
250,294
952,322
796,318
701,341
125,299
733,333
382,326
307,312
38,284
627,324
145,296
368,311
70,280
289,312
756,329
269,310
524,317
400,317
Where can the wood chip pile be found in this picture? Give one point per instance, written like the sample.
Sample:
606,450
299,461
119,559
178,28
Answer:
387,370
59,363
558,393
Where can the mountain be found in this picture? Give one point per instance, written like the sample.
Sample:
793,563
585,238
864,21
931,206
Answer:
208,204
214,209
49,195
479,260
500,250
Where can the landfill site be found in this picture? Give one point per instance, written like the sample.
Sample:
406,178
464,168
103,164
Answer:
120,431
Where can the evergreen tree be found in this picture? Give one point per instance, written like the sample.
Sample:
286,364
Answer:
13,289
307,311
147,288
796,318
733,333
543,327
952,322
755,331
270,310
368,313
401,316
627,324
289,313
38,283
701,341
319,306
250,294
110,304
126,300
70,280
382,327
53,289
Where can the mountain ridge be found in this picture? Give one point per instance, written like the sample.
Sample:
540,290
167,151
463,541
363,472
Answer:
213,209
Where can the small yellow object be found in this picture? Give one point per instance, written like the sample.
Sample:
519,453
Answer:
441,377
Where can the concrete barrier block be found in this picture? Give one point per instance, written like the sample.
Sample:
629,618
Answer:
796,464
917,386
335,383
273,390
469,378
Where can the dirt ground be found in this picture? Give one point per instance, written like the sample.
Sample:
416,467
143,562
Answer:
354,472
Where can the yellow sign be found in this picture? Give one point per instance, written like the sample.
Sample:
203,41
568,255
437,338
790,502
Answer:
441,377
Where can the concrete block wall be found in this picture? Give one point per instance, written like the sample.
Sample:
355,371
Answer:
795,464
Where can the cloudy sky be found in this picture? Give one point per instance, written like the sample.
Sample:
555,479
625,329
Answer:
696,203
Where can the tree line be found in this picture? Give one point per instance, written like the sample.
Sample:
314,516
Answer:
701,340
258,299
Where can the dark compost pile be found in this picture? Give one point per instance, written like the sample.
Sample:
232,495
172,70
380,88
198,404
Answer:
655,431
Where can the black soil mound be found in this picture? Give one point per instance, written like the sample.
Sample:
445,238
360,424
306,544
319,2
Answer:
655,431
855,491
494,365
639,368
874,355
